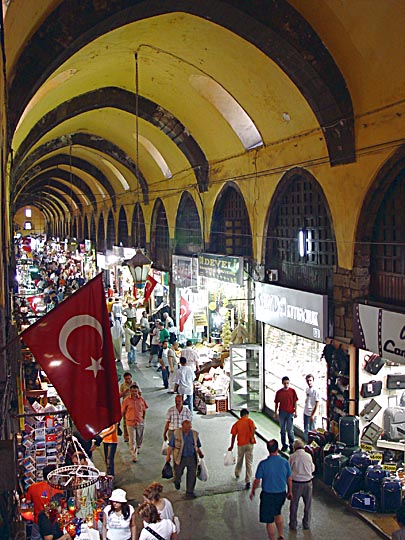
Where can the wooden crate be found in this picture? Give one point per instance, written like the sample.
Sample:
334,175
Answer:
221,404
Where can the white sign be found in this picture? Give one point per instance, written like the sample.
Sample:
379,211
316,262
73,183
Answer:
380,331
296,311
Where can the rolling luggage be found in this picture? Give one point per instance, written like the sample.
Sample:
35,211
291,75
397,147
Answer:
366,502
331,448
348,481
349,430
374,476
314,450
361,460
394,423
332,464
391,494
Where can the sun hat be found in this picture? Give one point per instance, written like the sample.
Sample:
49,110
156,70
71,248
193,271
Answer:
118,495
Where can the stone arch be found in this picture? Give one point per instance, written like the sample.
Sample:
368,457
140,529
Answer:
231,233
138,229
85,227
93,234
123,228
101,239
110,230
160,238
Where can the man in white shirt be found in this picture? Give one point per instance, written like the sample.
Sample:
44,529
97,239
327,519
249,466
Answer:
175,417
311,406
303,469
117,310
130,313
184,383
191,355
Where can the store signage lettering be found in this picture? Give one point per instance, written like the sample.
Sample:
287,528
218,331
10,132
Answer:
223,268
296,311
380,331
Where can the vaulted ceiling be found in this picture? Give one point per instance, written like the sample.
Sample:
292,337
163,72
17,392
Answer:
124,97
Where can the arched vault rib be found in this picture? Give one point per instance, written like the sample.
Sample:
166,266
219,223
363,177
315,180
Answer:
89,141
275,28
76,162
118,98
38,200
69,178
43,181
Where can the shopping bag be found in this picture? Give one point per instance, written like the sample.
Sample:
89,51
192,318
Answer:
176,521
165,446
167,471
202,471
229,458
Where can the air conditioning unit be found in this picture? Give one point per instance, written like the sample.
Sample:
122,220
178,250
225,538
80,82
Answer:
273,275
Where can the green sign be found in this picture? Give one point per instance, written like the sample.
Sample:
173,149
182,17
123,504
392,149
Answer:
221,267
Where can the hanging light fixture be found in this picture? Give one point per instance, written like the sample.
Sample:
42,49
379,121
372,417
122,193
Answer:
139,266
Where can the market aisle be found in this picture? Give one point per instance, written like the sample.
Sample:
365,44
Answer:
222,508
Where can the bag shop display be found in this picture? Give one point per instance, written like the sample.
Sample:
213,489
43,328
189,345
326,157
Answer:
349,430
373,363
361,460
391,494
371,433
374,476
332,464
371,389
394,423
366,502
396,381
349,480
370,410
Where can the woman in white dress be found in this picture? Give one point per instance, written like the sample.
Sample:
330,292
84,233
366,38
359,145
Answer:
153,526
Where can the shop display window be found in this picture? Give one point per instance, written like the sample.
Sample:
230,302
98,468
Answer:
295,357
246,369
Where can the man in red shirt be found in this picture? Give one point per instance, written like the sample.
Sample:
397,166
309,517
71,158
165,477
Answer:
285,410
244,429
40,494
134,409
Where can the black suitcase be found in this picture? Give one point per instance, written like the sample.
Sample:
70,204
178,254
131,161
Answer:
361,460
332,464
348,481
371,389
349,430
391,494
374,476
395,381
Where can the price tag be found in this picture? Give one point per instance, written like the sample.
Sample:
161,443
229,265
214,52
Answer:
327,447
314,445
376,456
391,468
320,430
366,447
201,378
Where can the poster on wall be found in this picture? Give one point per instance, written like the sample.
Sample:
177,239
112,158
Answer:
380,331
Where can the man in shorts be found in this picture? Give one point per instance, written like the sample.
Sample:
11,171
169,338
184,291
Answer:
275,474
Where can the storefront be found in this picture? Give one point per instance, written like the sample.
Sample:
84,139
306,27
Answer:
294,331
380,339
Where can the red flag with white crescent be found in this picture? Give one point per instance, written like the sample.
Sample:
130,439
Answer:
73,345
150,284
185,312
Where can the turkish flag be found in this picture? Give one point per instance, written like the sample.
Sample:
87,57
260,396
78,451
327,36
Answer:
73,345
150,284
33,300
185,312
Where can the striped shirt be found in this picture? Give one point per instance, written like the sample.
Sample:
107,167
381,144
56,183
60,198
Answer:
175,418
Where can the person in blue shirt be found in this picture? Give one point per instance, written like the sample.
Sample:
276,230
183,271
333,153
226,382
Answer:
275,475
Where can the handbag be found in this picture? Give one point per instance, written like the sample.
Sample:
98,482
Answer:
371,389
395,381
167,471
371,433
370,410
157,535
229,458
373,363
165,446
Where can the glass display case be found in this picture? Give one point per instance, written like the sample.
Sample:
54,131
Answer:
246,389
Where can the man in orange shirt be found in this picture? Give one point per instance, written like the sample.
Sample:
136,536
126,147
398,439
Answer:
40,494
244,430
134,409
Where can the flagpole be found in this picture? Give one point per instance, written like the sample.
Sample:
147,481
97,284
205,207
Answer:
41,319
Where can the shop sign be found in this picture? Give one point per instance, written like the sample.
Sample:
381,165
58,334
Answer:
184,271
87,245
298,312
380,331
221,267
200,318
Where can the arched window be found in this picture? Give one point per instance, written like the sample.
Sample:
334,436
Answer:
110,230
188,227
86,227
101,234
160,240
138,227
300,242
93,230
123,228
230,229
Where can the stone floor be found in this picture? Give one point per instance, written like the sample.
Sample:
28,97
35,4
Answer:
222,509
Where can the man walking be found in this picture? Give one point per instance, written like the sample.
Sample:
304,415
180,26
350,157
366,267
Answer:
285,410
185,446
164,363
145,327
311,406
184,380
302,468
274,473
175,417
244,431
191,355
130,313
134,408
